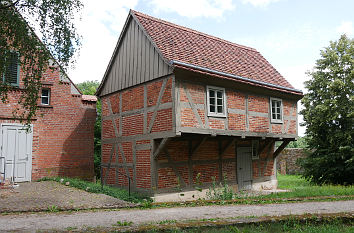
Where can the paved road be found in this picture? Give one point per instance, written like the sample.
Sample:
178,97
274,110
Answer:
41,221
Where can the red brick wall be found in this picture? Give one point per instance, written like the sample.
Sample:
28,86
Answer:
62,132
205,163
132,125
257,108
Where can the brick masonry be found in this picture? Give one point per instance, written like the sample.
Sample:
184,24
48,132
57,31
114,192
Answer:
287,161
62,132
136,119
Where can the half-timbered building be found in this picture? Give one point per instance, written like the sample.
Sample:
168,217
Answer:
180,107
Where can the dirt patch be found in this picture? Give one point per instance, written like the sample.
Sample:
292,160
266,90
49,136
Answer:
50,195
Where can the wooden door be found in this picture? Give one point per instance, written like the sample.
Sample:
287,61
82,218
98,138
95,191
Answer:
244,168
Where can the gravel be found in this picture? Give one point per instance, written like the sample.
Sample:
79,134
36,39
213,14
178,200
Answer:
39,196
82,220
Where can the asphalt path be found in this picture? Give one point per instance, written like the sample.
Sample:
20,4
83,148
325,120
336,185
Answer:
103,218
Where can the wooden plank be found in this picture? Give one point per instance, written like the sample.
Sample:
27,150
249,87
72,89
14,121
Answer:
124,61
135,55
160,148
281,147
139,54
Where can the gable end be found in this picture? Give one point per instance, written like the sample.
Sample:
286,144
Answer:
135,60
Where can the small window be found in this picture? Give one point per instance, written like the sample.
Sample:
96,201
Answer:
255,146
45,97
276,110
12,69
216,101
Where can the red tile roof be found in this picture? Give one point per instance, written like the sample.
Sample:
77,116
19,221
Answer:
90,98
178,43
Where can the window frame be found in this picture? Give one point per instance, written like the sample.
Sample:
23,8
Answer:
224,106
17,84
49,96
272,120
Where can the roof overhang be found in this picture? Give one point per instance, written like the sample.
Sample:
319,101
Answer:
219,74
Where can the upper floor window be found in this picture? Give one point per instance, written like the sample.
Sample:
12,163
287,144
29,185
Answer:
276,110
216,100
45,97
12,69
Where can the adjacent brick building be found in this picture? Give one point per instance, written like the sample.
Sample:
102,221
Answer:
60,142
178,104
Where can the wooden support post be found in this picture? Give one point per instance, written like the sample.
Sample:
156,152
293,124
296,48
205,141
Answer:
161,147
266,144
281,147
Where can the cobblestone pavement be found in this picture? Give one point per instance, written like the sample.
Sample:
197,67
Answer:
84,219
37,196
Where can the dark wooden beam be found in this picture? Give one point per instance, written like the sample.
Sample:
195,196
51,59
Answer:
281,147
227,146
161,147
200,143
265,146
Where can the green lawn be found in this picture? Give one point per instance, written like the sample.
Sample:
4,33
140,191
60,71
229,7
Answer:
302,188
291,226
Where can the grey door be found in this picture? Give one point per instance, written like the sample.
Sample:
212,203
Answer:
16,149
244,168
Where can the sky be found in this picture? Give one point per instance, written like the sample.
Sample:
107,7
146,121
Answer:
289,33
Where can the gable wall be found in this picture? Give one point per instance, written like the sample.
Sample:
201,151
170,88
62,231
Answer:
136,61
62,132
131,120
248,114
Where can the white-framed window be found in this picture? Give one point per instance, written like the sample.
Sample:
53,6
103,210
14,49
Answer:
216,101
276,110
255,146
45,97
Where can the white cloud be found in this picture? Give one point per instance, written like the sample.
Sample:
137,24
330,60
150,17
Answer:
259,3
194,8
100,28
346,27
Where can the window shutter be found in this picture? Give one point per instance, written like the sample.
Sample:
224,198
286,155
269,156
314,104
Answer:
11,69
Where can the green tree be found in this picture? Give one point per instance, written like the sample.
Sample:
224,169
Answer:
54,22
329,115
89,88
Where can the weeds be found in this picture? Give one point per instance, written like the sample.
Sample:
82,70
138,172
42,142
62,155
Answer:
53,208
221,191
123,224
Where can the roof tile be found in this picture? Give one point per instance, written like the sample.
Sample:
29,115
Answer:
189,46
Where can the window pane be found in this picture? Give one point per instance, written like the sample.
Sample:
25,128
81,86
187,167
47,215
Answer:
220,109
45,92
219,101
219,93
211,93
212,108
212,101
45,100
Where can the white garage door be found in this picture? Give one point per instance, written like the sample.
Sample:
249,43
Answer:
16,152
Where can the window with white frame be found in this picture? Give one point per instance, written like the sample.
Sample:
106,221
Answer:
276,110
216,100
45,97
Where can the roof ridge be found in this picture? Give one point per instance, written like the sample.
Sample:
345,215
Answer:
192,30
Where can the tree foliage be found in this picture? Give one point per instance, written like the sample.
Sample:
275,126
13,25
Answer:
54,22
89,88
329,115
